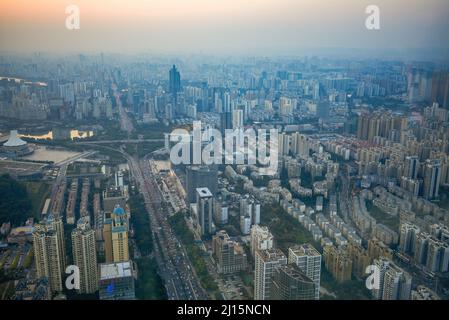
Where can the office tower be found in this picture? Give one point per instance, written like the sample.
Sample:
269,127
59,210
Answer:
85,256
174,81
237,119
226,115
411,167
49,251
308,260
338,262
261,239
432,175
115,235
290,283
205,207
229,254
200,177
116,281
440,88
407,240
265,265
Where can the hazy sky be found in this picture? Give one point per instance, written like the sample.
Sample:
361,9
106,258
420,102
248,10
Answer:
262,27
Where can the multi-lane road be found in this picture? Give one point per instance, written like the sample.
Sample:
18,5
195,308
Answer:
175,268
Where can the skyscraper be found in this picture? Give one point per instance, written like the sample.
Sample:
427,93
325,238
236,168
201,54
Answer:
115,236
411,167
393,283
407,240
174,81
432,175
265,265
397,284
205,208
85,256
308,260
440,88
49,251
199,177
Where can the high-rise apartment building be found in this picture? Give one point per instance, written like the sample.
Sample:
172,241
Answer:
432,175
407,239
49,251
338,262
393,283
115,236
229,254
261,239
85,255
265,265
411,167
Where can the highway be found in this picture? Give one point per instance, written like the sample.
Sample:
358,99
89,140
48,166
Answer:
125,123
175,268
119,141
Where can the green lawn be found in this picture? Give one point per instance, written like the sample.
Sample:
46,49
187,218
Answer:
38,192
382,217
286,230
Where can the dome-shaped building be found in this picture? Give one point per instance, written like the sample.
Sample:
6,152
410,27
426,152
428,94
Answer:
16,147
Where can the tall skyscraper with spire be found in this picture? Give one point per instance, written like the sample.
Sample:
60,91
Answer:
174,81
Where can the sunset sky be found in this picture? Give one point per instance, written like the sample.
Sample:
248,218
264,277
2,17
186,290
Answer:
220,26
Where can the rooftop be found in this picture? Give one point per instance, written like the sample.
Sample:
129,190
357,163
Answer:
115,270
204,192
